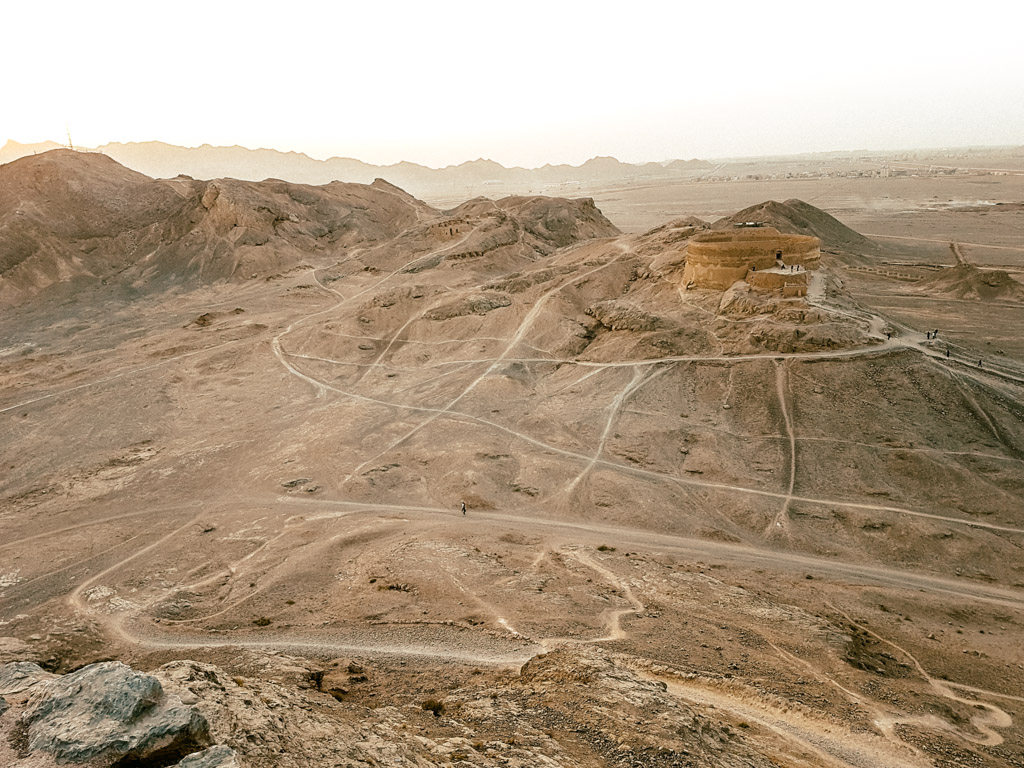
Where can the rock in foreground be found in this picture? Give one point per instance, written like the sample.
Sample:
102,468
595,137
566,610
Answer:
101,715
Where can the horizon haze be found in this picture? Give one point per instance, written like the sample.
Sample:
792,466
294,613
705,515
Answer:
448,84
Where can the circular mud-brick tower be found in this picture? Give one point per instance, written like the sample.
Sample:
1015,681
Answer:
716,260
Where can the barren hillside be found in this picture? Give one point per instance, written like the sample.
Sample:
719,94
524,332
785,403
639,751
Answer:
966,281
702,527
800,218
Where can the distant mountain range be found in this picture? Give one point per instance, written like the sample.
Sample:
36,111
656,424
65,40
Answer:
160,160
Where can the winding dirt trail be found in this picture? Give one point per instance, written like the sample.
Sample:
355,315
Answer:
275,343
149,636
449,412
985,722
825,743
611,618
814,739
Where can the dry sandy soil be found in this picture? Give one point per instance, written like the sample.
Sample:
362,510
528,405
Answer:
743,532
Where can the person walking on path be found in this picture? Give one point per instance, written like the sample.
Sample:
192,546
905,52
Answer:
463,507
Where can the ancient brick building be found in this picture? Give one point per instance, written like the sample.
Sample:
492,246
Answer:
764,257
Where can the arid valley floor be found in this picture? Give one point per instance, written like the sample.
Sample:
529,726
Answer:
238,421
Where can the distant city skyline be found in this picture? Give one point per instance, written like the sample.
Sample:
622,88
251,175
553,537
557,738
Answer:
549,83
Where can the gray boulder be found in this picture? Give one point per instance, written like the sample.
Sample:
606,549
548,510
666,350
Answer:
214,757
18,676
4,706
106,712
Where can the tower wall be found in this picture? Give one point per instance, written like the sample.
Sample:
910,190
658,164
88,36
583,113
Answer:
716,260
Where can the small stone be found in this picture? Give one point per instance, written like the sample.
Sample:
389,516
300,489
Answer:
220,756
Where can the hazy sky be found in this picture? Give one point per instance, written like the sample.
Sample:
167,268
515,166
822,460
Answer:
520,82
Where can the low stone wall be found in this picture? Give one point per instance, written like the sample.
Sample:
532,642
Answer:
886,273
785,283
716,276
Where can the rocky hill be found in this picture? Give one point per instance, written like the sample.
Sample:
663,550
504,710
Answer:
72,219
800,218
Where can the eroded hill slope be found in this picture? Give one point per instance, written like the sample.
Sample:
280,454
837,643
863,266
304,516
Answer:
771,530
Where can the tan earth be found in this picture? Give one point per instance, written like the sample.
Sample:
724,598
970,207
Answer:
238,421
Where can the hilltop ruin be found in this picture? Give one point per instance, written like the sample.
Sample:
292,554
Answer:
770,261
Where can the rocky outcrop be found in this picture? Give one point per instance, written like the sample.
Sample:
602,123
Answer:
474,304
13,649
775,324
554,712
623,316
78,219
558,222
669,238
103,714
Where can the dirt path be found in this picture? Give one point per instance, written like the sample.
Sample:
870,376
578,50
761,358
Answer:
524,327
780,523
595,460
825,743
613,617
814,740
985,722
637,381
592,534
957,253
343,300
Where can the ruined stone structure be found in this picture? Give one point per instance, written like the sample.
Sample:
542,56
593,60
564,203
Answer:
764,257
787,283
447,228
